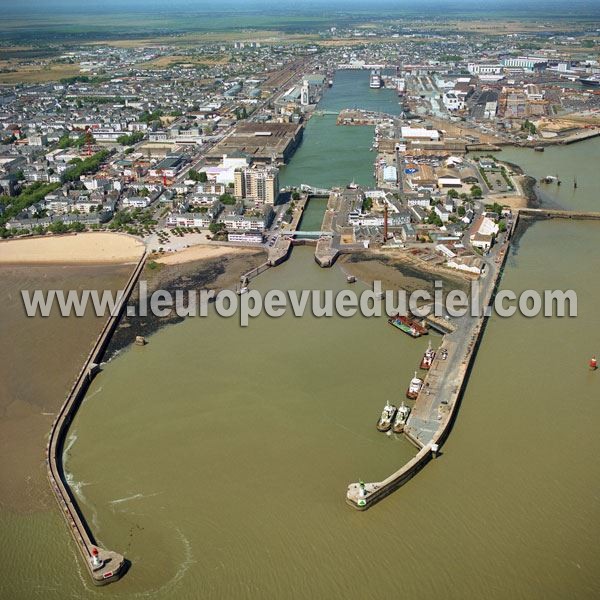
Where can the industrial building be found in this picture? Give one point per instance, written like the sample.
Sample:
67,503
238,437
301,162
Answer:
259,142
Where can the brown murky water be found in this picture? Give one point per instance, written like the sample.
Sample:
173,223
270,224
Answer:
216,458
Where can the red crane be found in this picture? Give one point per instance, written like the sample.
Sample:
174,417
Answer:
164,178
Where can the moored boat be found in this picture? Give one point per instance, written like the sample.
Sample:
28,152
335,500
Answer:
387,417
375,81
401,418
427,358
592,81
414,387
408,325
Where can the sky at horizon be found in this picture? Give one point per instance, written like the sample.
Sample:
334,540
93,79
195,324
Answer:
24,7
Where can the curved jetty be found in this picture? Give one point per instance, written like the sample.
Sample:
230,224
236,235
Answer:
104,565
437,401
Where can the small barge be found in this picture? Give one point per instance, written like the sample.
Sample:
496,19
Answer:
408,325
387,417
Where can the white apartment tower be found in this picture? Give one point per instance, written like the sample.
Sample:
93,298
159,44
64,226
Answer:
258,184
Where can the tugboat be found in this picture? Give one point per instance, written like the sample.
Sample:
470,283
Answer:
427,358
387,417
401,418
414,387
593,363
408,325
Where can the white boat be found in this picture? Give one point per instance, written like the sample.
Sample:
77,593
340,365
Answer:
387,417
414,387
428,357
375,82
401,418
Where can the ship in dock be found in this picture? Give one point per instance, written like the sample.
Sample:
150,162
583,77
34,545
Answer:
387,417
408,325
414,387
592,81
375,82
427,358
401,418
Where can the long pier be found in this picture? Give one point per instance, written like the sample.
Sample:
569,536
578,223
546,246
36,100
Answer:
548,213
437,404
104,565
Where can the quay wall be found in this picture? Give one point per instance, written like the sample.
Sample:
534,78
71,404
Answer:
113,564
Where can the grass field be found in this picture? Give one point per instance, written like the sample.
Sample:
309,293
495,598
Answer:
164,62
37,74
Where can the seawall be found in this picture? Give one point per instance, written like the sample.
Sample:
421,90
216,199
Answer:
104,565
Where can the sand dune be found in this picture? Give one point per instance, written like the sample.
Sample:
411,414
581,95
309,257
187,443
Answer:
98,247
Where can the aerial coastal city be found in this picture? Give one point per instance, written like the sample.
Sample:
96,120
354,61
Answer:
266,157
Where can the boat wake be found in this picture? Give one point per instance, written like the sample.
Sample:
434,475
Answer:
188,561
138,496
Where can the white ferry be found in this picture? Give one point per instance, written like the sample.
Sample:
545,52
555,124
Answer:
376,81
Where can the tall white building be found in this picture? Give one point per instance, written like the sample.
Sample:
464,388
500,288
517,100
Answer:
258,184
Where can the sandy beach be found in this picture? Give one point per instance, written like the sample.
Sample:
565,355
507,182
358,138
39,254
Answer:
202,252
91,248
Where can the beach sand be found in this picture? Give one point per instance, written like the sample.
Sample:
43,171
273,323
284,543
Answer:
202,252
91,248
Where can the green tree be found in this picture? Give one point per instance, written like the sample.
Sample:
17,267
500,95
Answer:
216,228
58,227
476,192
227,199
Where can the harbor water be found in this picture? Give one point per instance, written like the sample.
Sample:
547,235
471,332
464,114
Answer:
216,458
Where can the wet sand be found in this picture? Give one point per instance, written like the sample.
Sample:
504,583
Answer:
399,270
39,360
89,248
202,252
220,268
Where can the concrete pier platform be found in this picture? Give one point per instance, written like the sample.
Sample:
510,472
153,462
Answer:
437,404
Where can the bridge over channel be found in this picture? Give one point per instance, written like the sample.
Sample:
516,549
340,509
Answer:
311,234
